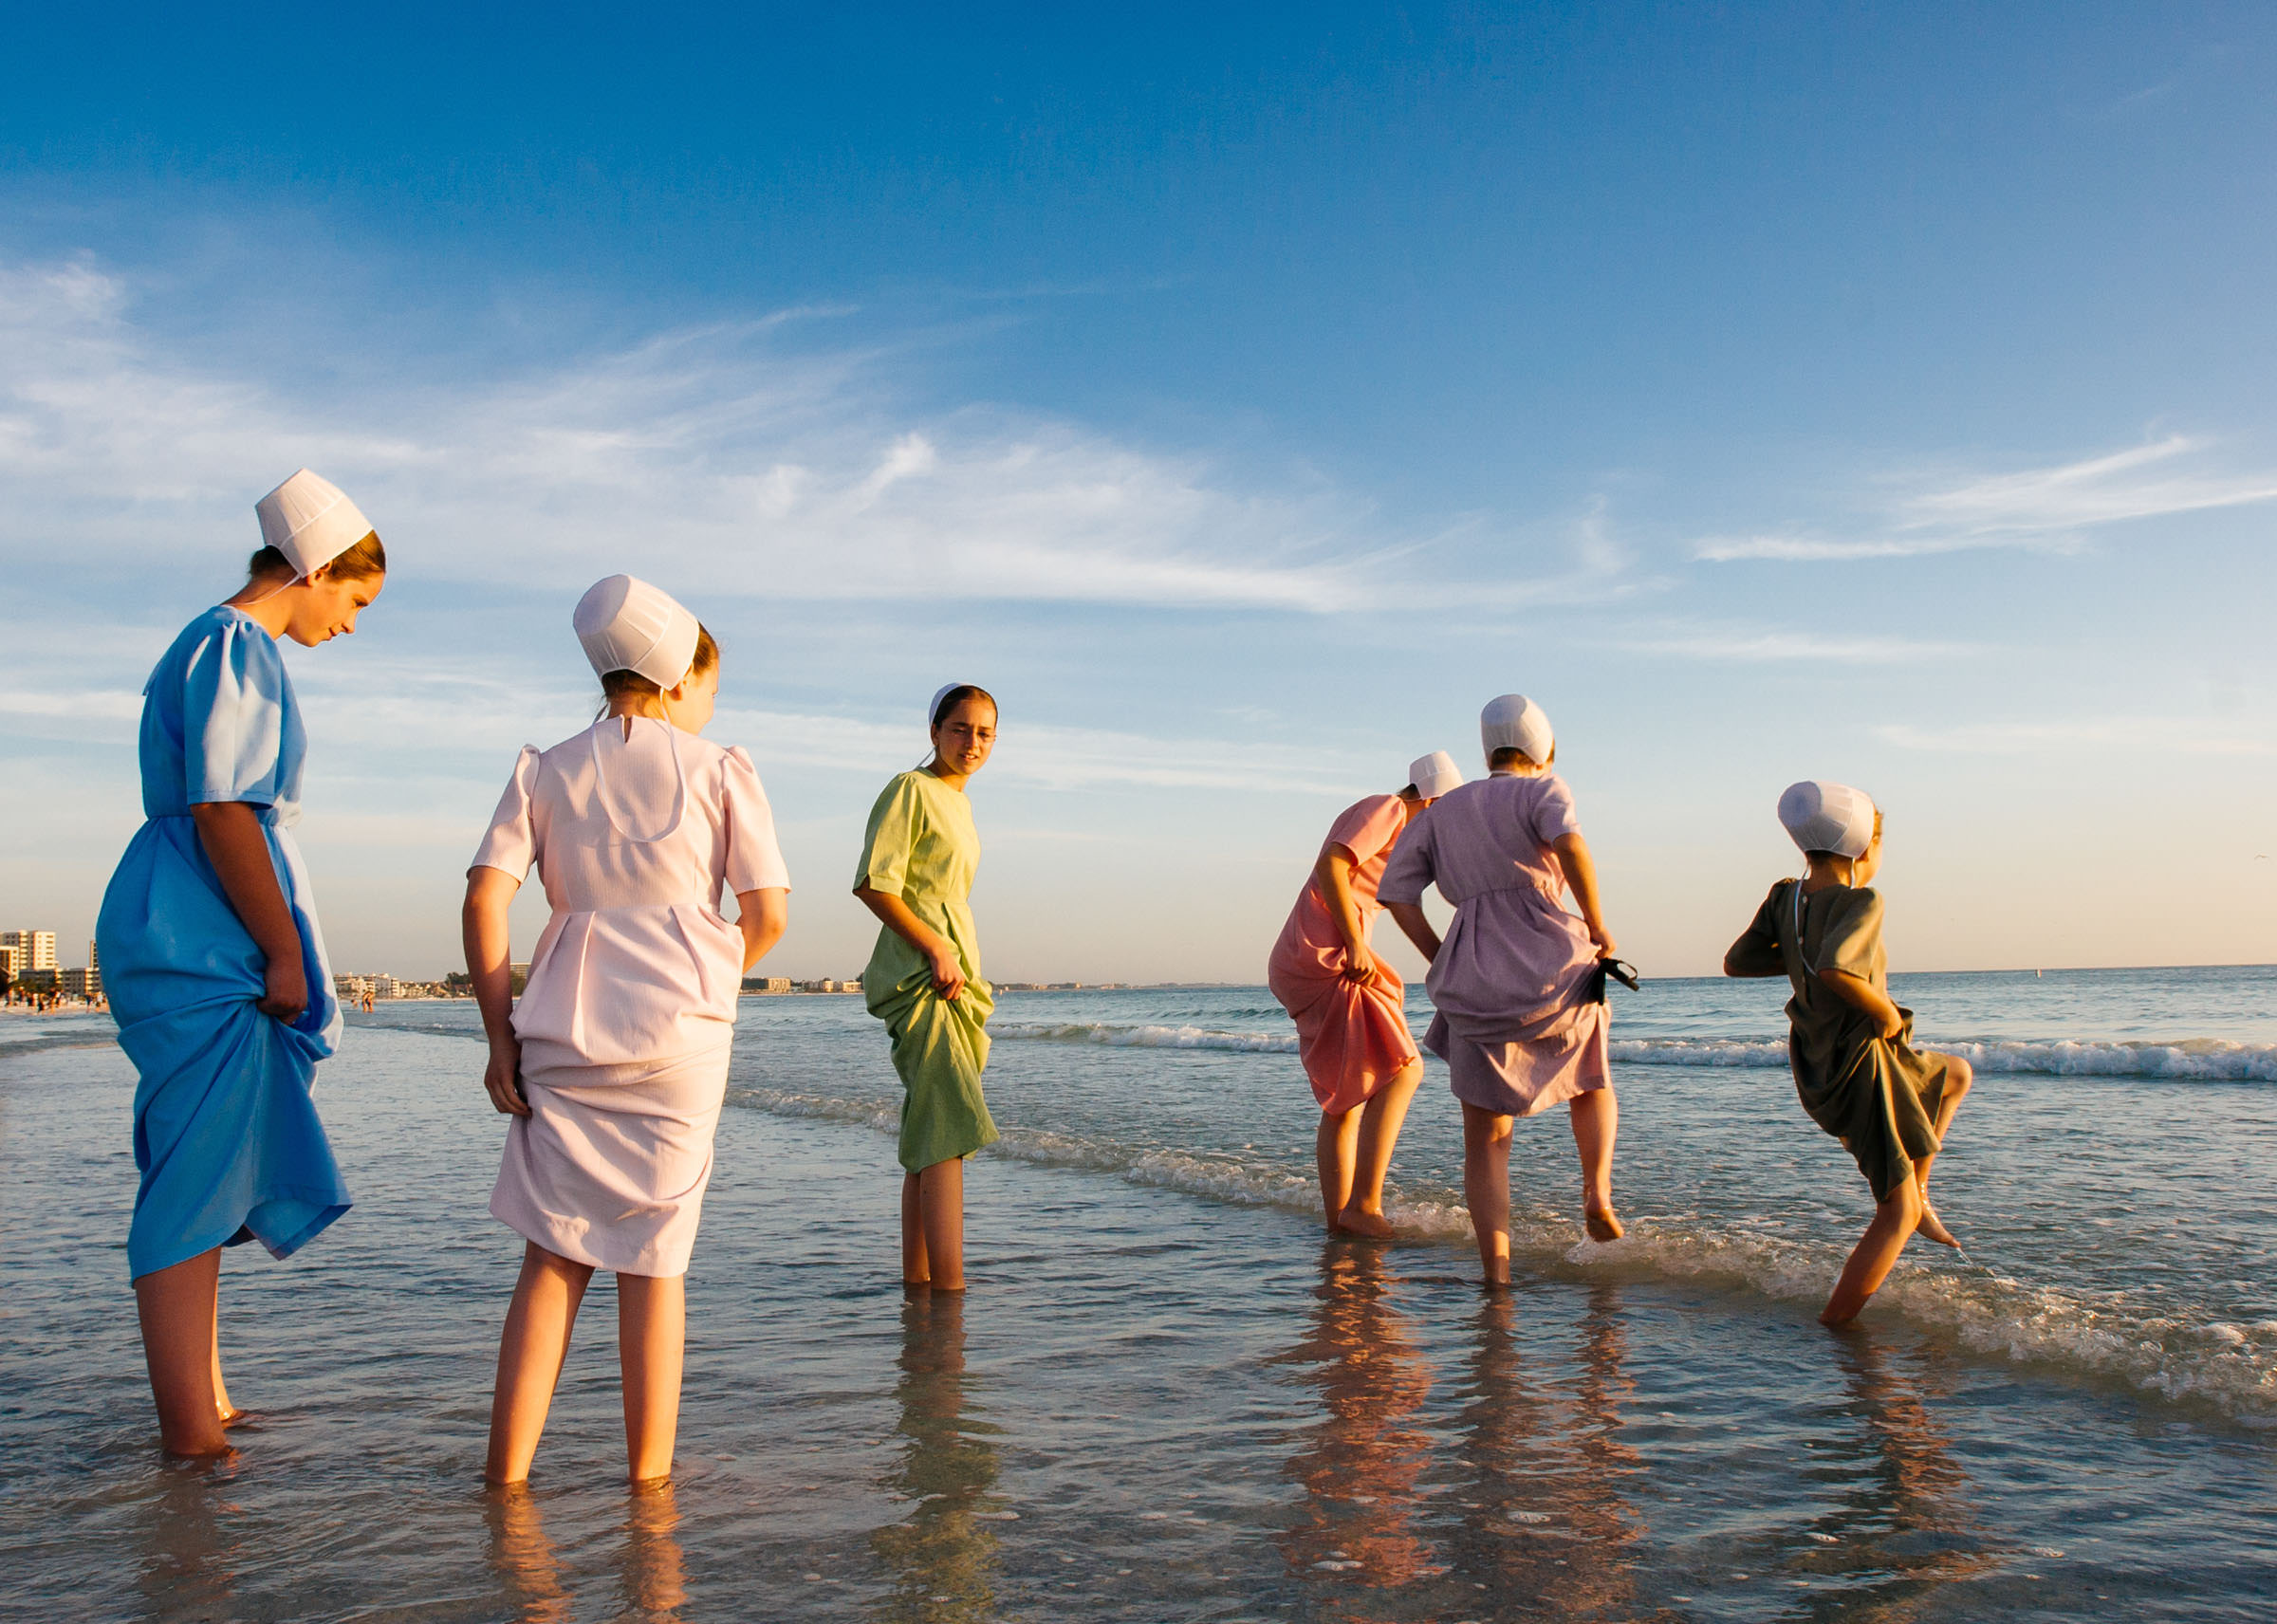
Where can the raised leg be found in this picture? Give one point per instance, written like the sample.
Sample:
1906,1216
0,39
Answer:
1333,1149
177,1308
1958,1079
1875,1255
530,1352
1379,1122
1486,1187
652,1333
1596,1125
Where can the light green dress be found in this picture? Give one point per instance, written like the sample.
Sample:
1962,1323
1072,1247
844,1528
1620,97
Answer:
922,844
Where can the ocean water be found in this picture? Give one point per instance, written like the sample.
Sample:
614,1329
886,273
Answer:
1167,1396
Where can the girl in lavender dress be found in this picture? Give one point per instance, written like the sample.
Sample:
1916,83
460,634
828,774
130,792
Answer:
1517,983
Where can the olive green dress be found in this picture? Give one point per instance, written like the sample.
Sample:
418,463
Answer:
922,846
1879,1096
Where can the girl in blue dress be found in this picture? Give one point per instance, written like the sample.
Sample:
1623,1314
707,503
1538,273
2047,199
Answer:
211,954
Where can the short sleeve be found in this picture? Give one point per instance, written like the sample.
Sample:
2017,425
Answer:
1554,815
1414,865
892,838
233,699
1757,952
1368,827
754,857
512,843
1852,931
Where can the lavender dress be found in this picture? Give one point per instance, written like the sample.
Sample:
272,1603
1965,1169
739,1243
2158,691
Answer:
1518,1024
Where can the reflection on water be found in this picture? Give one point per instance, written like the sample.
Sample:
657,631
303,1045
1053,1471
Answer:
942,1557
1548,1526
1359,1525
189,1560
524,1556
652,1572
1910,1512
655,1575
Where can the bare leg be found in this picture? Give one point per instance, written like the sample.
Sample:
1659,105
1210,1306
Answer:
941,1221
1596,1124
1956,1088
1333,1150
177,1306
652,1333
1875,1256
229,1412
916,1268
1380,1123
1486,1187
530,1352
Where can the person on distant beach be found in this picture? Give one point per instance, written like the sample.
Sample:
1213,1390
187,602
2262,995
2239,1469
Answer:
1349,1006
211,952
923,980
1518,984
1851,1048
613,1064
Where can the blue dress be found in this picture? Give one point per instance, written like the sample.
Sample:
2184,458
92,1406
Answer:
226,1137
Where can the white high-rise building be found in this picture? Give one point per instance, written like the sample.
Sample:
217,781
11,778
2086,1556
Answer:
35,950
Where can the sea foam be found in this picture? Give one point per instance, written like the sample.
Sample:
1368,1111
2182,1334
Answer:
2198,1060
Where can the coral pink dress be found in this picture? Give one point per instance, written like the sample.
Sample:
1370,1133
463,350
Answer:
630,1008
1353,1038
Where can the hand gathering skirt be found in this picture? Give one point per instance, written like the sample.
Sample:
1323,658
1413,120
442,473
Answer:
610,1166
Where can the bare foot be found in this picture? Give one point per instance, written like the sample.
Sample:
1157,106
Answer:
1932,1227
1496,1285
1374,1226
1601,1224
237,1418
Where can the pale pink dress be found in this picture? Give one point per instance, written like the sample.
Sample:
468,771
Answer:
1351,1039
1518,1024
630,1008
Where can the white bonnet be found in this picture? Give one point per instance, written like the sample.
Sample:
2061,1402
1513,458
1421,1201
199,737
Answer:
310,521
625,624
1434,775
1824,817
1515,722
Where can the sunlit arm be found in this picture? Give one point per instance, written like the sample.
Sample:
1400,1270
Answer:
766,914
238,846
1415,927
1860,994
1580,877
898,916
1334,871
488,942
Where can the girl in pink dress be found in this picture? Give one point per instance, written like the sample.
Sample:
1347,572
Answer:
613,1064
1349,1007
1520,1021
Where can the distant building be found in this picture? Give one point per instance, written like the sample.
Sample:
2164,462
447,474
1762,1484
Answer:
35,950
86,984
766,984
10,961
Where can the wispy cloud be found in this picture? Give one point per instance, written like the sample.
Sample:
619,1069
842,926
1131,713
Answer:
2045,509
2135,736
1744,645
715,454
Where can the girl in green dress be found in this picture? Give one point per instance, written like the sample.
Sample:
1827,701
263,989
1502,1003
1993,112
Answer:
923,979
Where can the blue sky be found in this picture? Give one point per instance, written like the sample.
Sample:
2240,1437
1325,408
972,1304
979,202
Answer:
1871,393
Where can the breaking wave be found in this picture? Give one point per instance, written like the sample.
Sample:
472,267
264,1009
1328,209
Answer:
2198,1060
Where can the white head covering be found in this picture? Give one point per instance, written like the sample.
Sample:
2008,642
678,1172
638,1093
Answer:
1434,775
310,522
627,624
1824,817
1515,722
933,710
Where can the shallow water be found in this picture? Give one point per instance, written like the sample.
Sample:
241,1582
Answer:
1166,1396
